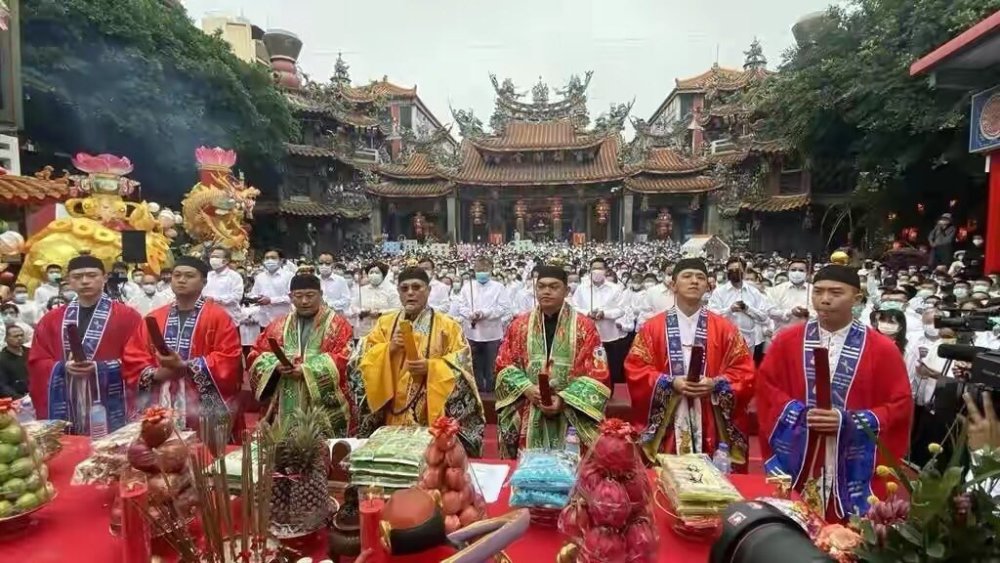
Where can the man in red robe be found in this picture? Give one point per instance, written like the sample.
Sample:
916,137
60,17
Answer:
317,342
683,416
204,369
830,453
88,392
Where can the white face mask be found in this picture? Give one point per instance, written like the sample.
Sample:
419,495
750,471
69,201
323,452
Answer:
20,297
325,269
216,263
271,264
375,278
961,292
888,329
149,288
796,277
930,331
648,284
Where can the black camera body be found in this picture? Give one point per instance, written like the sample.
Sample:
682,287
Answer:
984,376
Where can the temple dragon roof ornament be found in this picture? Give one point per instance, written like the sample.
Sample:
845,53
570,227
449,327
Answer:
510,107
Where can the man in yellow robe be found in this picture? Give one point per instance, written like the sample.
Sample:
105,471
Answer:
389,389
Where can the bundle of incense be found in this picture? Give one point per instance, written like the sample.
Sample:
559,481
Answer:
75,343
156,337
409,344
544,389
279,353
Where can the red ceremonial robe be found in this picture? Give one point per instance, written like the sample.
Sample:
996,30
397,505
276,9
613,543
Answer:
869,383
52,394
210,347
652,365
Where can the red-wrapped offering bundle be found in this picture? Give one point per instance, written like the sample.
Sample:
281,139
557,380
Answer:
610,514
448,472
163,456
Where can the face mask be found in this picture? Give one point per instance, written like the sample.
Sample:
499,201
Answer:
930,331
271,265
925,293
216,263
456,289
977,242
891,306
796,277
69,295
735,276
325,269
888,329
720,278
149,288
482,277
648,284
54,276
980,289
768,274
636,286
375,278
573,285
597,276
961,292
856,310
20,297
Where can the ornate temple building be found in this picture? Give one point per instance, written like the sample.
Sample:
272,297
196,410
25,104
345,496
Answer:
756,193
345,131
542,171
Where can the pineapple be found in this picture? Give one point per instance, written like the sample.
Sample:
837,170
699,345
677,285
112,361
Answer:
300,498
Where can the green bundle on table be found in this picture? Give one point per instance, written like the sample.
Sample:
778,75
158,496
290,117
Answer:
393,458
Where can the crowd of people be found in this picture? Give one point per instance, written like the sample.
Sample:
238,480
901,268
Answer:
702,347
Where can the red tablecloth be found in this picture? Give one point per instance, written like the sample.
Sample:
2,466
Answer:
74,527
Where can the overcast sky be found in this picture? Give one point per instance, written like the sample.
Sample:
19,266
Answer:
636,48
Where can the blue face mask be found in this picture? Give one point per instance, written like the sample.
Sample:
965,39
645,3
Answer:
891,306
482,277
857,310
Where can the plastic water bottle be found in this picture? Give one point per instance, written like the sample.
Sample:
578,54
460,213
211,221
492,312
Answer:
721,459
26,412
572,441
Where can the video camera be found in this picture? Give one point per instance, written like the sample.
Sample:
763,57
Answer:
964,320
983,376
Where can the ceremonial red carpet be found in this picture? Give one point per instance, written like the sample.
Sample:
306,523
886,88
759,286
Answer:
74,526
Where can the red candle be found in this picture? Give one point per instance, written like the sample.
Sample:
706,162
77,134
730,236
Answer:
135,527
370,509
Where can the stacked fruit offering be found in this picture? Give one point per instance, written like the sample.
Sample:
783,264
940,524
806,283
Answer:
24,479
448,473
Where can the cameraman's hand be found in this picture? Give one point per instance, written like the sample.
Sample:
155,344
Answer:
983,427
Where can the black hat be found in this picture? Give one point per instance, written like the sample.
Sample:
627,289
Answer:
838,273
413,273
192,262
553,272
85,261
690,264
305,281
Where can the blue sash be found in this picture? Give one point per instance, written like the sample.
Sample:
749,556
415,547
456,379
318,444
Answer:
62,390
856,452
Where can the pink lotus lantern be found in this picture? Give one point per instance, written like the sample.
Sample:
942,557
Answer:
105,173
214,159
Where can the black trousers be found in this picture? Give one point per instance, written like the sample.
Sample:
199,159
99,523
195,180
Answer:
484,358
616,351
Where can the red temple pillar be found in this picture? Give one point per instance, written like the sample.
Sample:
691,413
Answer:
992,252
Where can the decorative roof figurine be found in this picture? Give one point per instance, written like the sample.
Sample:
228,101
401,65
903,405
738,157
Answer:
755,58
341,75
540,92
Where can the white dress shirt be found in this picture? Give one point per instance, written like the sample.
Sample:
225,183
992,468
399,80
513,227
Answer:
439,298
382,298
250,328
45,292
656,300
608,298
29,312
276,287
492,300
226,289
336,292
751,322
633,302
144,303
786,297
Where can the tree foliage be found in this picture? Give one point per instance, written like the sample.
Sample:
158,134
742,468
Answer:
846,95
137,78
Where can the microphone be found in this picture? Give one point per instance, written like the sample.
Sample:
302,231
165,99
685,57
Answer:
960,352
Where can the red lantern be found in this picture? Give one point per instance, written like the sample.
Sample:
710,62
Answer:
911,234
602,209
555,208
478,213
963,234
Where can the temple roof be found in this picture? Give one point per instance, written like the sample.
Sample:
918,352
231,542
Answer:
671,184
305,104
719,78
312,151
603,168
778,203
666,160
412,189
376,89
417,166
32,190
547,135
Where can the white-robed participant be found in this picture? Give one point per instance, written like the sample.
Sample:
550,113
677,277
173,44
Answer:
372,297
148,297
